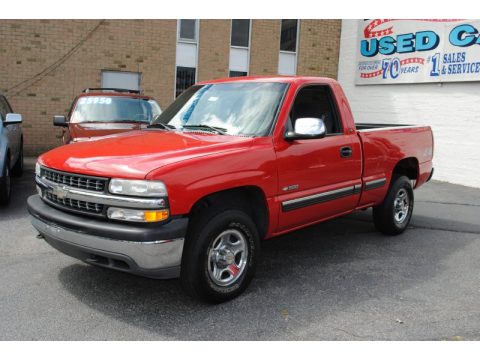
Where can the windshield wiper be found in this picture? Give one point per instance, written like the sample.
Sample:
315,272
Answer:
161,126
132,121
113,121
218,130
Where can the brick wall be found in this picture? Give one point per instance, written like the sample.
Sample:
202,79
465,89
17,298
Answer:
318,47
214,49
265,47
44,64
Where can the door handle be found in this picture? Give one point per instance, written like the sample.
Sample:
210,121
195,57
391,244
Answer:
346,151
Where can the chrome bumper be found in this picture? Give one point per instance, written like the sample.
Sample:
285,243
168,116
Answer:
157,259
154,252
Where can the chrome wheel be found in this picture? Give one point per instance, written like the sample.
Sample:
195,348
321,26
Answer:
401,206
227,257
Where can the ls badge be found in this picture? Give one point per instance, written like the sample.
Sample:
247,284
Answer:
290,187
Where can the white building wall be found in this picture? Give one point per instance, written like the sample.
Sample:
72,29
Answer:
452,109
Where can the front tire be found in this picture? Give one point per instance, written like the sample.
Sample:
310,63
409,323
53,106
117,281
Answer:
393,215
220,256
5,183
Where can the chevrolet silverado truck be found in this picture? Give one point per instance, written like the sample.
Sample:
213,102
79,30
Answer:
101,112
229,163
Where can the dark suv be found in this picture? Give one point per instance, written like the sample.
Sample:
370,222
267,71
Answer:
11,148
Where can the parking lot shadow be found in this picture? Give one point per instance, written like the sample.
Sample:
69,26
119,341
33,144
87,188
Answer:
22,188
302,279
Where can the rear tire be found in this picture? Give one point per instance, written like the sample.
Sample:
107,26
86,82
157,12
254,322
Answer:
393,215
220,256
5,183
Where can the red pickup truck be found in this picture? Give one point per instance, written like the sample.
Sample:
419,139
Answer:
229,163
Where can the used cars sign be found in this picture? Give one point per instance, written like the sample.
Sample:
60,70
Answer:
415,51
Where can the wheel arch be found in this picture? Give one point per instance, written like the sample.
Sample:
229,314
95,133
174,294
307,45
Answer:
408,167
249,198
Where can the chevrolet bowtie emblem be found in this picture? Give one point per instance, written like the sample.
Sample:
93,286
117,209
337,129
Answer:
60,192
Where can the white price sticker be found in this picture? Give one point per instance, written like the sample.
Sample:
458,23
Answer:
95,100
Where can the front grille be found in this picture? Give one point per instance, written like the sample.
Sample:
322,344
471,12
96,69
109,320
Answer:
75,205
73,180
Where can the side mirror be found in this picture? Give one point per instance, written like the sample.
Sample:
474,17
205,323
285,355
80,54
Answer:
60,120
307,128
13,119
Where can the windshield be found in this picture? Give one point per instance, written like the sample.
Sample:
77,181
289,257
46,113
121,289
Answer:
114,109
237,108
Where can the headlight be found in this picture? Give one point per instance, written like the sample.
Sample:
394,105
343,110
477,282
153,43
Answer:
37,169
137,215
144,188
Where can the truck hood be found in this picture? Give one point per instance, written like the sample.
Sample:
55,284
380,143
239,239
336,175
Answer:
88,130
133,155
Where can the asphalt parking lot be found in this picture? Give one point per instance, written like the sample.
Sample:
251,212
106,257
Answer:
339,280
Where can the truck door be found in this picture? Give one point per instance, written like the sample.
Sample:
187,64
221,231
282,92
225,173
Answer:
318,178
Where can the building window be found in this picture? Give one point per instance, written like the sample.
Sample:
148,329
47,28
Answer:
240,47
185,79
121,80
288,36
186,58
187,30
287,60
240,33
237,73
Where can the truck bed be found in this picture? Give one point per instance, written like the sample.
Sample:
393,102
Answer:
385,145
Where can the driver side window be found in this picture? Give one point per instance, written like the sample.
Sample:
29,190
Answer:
315,101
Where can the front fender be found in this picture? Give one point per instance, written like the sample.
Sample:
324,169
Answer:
193,179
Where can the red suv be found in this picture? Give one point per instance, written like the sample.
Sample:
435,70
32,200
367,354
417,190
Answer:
106,111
